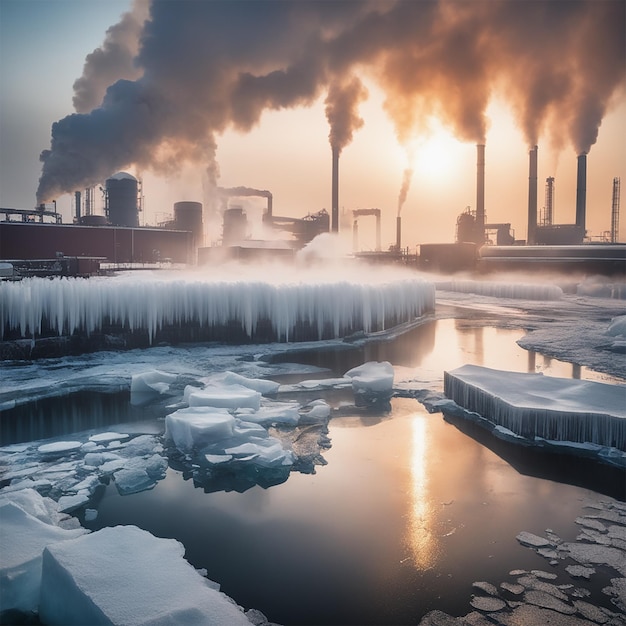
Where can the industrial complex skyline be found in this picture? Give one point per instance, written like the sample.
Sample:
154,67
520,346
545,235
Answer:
254,94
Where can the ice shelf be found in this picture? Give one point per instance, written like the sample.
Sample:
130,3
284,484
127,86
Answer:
538,406
238,310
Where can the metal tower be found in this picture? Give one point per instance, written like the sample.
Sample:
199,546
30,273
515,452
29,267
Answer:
615,211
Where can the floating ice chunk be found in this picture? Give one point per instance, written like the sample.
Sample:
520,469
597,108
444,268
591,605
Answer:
59,447
67,504
548,601
150,383
593,554
487,604
486,587
32,502
267,452
372,376
22,540
274,413
617,327
529,539
108,436
216,459
198,426
225,396
265,387
133,480
124,575
96,459
316,411
580,571
91,514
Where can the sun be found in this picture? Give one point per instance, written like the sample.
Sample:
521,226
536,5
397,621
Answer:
436,156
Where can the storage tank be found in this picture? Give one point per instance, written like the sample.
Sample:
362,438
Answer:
122,195
188,216
235,226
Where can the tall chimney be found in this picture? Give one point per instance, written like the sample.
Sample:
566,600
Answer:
335,192
581,192
399,233
270,201
480,194
78,202
531,236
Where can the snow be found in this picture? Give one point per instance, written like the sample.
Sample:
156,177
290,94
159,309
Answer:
537,406
335,306
124,575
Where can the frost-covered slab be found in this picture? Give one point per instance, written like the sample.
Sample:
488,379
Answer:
124,575
537,406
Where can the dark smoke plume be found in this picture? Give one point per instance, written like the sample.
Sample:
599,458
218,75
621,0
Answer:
407,177
113,61
204,67
341,111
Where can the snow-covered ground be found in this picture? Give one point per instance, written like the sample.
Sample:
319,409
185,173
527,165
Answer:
220,410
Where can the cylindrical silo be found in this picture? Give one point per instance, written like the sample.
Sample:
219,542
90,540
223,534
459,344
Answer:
122,205
188,216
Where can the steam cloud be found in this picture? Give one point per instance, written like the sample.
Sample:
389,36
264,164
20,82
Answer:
178,79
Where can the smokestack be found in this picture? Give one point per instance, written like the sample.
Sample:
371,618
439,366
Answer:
531,236
581,192
270,202
355,236
335,192
398,233
77,202
480,194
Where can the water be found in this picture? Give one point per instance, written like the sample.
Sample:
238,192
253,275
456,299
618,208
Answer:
408,512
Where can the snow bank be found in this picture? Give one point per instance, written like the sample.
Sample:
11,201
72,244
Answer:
126,576
64,306
518,291
537,406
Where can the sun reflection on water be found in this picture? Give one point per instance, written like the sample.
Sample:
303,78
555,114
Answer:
422,540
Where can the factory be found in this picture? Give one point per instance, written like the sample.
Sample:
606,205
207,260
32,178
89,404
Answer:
36,242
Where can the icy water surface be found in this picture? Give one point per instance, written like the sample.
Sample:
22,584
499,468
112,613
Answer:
409,511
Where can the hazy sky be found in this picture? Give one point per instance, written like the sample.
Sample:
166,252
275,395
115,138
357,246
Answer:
243,99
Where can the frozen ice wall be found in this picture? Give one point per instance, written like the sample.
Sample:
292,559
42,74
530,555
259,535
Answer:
537,406
259,309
